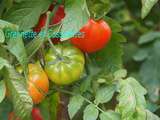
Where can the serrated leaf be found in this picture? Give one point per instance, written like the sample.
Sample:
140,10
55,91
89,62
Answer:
2,37
110,57
149,37
98,8
151,116
90,113
149,72
77,15
26,13
105,94
131,96
122,73
2,90
115,26
4,24
15,46
147,6
74,105
17,88
3,63
110,115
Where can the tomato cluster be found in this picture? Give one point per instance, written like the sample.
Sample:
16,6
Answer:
64,64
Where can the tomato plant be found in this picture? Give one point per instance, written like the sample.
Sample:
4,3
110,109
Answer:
105,66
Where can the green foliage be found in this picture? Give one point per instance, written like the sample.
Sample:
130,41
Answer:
99,8
149,71
147,6
90,112
17,88
105,94
2,37
26,13
74,105
16,46
2,91
110,115
77,15
131,97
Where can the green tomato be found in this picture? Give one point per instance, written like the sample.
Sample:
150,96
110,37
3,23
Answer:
66,67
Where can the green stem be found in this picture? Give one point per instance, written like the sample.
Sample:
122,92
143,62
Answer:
73,94
54,49
49,17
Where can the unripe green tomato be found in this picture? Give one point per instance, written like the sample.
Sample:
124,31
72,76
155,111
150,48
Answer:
65,68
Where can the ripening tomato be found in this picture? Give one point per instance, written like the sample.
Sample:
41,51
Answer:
59,15
38,83
36,114
95,35
66,69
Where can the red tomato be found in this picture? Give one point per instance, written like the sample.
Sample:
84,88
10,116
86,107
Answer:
59,15
36,114
95,35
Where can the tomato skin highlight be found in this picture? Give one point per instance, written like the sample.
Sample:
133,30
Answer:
96,34
38,83
66,70
36,114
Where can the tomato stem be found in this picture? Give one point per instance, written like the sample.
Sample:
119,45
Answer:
74,94
49,40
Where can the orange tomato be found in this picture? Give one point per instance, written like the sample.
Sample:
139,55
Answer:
38,83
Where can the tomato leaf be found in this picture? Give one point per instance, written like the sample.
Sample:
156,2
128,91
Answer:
34,45
2,90
110,115
105,94
5,24
149,71
115,26
22,102
151,116
147,6
110,57
2,37
99,8
15,46
131,97
90,113
74,105
122,73
76,16
3,63
50,106
149,37
26,13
